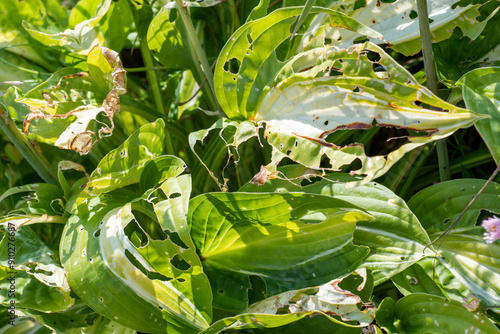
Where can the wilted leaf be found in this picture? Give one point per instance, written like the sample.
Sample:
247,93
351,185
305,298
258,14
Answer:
67,94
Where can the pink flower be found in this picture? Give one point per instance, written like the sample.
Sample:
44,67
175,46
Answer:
492,227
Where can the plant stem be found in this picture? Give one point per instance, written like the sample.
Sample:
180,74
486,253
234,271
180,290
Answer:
30,153
199,55
431,78
154,82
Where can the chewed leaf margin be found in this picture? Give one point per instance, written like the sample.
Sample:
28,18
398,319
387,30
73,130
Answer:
78,136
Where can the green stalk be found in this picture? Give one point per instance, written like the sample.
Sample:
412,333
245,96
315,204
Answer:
199,55
431,77
154,83
28,151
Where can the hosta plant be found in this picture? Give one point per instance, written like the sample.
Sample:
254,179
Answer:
256,166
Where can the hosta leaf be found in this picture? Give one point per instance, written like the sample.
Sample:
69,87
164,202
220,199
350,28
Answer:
419,313
395,237
248,61
123,165
40,281
464,252
482,94
457,55
167,41
439,205
397,21
289,240
16,39
304,105
39,198
32,294
474,263
70,93
229,135
133,260
80,38
326,300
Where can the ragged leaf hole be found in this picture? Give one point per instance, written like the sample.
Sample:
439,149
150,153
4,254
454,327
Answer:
232,66
178,262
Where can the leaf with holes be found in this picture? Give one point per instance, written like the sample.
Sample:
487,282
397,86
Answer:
248,61
67,94
474,263
123,165
397,22
332,300
324,90
40,281
290,241
132,259
395,237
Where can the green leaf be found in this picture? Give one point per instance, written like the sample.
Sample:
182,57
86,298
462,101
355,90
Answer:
457,55
41,199
395,237
482,94
289,240
328,300
415,279
123,165
248,61
84,33
418,313
34,270
133,261
167,41
439,205
464,252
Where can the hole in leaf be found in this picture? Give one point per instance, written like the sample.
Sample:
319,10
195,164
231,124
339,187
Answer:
232,66
150,274
372,56
413,14
328,41
97,233
181,280
325,122
176,239
221,291
174,195
359,4
178,262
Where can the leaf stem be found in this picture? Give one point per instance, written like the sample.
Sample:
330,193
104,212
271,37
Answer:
431,78
199,55
154,82
28,151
